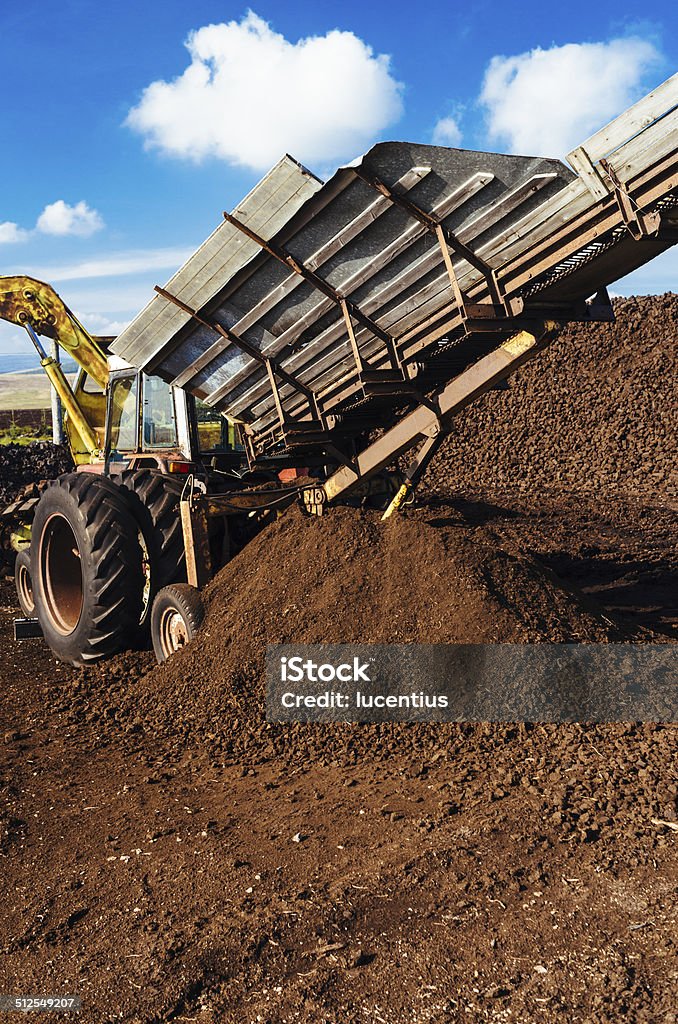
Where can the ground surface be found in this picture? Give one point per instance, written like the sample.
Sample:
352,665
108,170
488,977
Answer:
169,856
460,872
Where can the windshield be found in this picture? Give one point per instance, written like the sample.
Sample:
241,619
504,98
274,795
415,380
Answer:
124,419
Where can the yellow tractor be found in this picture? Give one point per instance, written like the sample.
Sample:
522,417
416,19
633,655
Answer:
97,545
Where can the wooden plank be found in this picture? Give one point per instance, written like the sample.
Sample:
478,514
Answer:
446,323
270,204
214,273
324,253
510,248
635,119
592,178
389,253
423,265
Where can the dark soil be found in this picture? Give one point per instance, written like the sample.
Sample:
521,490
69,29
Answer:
22,464
169,856
597,410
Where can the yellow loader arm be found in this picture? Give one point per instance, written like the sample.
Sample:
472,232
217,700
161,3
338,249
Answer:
37,308
25,301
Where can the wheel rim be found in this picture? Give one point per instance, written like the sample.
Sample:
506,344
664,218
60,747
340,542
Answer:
61,574
25,588
173,631
146,570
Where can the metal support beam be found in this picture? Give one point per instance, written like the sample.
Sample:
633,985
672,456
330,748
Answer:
272,366
57,410
416,469
59,382
286,257
639,224
196,535
423,422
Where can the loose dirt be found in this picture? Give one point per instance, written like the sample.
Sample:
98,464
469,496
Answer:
597,410
170,856
25,464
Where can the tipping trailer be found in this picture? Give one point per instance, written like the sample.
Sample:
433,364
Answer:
403,288
384,301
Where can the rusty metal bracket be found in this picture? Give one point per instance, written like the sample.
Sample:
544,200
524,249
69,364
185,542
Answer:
196,534
428,449
638,223
318,282
449,243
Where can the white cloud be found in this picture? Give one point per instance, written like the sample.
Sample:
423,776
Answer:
118,264
97,323
446,132
249,95
546,102
61,219
56,219
11,233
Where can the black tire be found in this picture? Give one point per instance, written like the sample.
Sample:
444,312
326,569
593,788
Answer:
154,501
176,617
86,568
24,584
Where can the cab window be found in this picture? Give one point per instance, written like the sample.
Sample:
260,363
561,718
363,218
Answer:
124,419
159,419
215,433
89,385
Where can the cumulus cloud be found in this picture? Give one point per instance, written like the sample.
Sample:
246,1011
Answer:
61,219
446,132
56,219
548,101
249,95
11,233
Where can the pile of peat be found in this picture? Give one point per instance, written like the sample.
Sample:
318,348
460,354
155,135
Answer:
592,413
596,411
24,464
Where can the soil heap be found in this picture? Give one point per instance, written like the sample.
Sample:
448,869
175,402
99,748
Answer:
429,577
595,411
24,464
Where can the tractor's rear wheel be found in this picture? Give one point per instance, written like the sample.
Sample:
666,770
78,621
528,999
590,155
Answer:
154,501
177,615
24,584
86,568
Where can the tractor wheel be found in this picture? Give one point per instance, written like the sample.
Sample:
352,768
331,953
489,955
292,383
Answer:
23,584
86,568
154,502
176,617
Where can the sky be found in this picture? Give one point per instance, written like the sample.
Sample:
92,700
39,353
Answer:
126,129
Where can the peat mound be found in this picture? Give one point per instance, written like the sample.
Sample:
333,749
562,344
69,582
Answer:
23,464
425,577
595,411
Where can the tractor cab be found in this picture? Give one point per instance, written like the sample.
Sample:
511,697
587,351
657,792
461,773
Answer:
149,423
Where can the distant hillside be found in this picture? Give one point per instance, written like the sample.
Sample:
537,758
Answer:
25,390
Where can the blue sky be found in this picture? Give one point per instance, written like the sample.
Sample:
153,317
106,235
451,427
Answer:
106,186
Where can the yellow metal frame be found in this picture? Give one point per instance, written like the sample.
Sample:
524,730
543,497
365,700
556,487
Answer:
24,300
